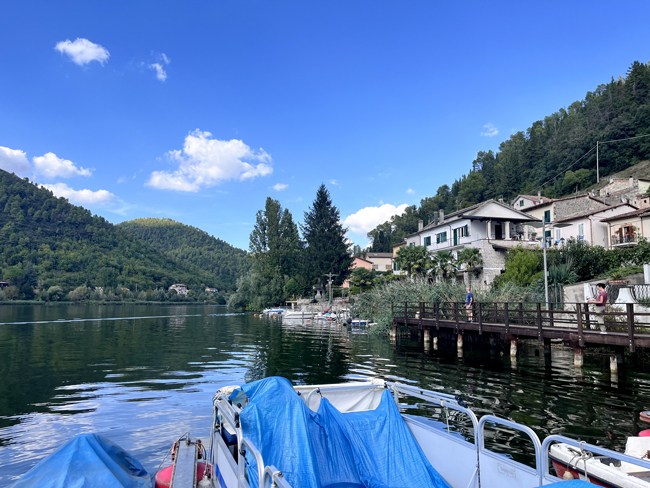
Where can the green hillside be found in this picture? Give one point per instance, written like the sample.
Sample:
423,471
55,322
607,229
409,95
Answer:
45,241
556,155
192,247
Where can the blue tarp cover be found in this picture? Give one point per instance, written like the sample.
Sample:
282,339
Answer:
330,449
88,460
570,484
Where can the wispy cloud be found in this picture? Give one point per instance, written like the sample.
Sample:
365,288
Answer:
410,191
490,130
205,162
123,179
161,61
280,186
82,51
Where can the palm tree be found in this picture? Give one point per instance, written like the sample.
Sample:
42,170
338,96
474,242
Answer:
414,259
471,258
444,263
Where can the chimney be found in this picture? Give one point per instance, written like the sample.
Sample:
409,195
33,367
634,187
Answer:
631,182
442,216
500,200
420,225
436,216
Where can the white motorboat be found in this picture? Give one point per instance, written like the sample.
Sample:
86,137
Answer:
299,314
572,461
462,462
274,311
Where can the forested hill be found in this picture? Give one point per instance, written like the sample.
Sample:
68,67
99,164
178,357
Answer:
546,157
193,247
45,241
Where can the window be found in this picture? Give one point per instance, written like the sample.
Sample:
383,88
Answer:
547,216
411,244
395,266
442,237
581,230
521,202
427,241
558,234
463,231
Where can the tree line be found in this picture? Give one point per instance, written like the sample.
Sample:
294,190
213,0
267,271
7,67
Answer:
546,157
287,262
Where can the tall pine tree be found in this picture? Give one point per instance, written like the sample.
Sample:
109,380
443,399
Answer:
327,247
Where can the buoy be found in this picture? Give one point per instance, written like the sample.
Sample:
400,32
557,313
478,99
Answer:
645,416
644,433
568,476
164,476
255,315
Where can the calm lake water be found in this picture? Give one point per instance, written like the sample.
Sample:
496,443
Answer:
142,375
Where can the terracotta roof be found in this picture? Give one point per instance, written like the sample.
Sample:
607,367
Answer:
592,212
640,212
362,259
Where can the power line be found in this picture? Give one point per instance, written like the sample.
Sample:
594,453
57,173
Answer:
589,152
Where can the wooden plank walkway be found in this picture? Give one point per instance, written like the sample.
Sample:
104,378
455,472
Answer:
576,324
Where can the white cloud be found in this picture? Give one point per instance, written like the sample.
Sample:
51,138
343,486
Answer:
280,186
82,51
334,182
205,162
51,166
410,191
14,161
491,130
161,74
82,197
368,218
165,59
123,179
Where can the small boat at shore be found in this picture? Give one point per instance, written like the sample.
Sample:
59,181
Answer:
272,434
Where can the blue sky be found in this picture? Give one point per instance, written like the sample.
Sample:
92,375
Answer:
198,111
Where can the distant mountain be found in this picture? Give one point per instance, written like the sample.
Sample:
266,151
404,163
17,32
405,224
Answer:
192,247
45,241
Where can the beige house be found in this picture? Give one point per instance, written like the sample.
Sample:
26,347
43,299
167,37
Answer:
396,249
588,226
381,261
625,230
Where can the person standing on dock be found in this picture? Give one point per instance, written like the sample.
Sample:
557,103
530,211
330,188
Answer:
600,301
469,305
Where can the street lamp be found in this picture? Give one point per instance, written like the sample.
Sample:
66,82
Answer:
544,240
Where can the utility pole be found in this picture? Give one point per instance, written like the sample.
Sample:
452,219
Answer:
329,282
597,170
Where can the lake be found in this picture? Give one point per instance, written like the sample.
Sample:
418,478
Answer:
142,375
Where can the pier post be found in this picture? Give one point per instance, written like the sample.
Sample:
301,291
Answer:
426,335
577,358
393,332
613,365
459,341
513,347
435,343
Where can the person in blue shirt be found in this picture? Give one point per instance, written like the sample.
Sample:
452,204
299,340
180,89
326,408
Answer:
469,305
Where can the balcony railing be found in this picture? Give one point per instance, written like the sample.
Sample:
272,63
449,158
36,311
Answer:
617,240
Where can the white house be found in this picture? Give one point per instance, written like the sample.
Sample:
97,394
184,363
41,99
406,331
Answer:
587,226
490,226
522,202
179,288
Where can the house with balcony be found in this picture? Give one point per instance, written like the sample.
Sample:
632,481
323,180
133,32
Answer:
558,209
627,229
179,288
490,226
587,226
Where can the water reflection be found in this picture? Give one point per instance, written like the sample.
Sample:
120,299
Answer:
142,375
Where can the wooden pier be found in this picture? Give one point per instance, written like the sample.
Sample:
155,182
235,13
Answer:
576,323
